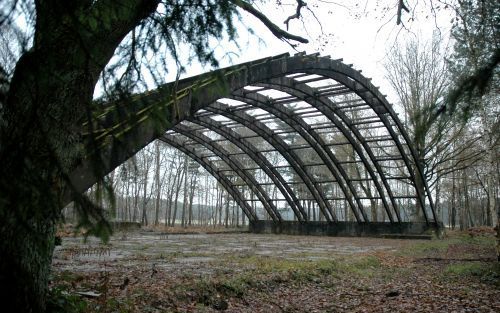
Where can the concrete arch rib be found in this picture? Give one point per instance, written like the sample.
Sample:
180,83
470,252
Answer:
234,192
316,143
324,105
258,158
279,144
236,166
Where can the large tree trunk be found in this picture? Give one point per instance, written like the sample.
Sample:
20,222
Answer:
26,254
40,135
38,146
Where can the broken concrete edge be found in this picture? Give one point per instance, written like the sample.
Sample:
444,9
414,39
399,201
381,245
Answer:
403,230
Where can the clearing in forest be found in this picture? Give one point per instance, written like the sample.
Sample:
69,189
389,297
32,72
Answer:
240,272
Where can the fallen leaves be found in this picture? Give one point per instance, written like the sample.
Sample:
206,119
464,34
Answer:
376,281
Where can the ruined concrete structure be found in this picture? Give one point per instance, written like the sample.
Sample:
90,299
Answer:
298,142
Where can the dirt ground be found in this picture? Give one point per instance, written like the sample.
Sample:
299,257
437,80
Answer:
147,271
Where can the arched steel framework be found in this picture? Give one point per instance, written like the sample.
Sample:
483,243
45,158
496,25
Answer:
295,131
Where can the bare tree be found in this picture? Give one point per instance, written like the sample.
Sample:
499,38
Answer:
418,73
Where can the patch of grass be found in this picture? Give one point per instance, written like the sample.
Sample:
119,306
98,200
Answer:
327,267
465,269
426,248
297,270
314,271
264,273
364,266
486,272
369,262
305,270
437,247
261,273
196,254
476,240
236,286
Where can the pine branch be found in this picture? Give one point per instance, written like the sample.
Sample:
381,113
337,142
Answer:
475,84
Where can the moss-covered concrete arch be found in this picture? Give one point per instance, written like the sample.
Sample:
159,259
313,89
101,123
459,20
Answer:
309,109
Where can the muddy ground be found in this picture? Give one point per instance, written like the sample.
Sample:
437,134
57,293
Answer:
145,271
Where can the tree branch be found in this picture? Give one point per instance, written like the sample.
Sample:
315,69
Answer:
401,6
300,4
276,30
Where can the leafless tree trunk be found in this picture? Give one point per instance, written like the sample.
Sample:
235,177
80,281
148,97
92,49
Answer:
453,203
418,74
157,182
226,217
186,195
177,191
194,180
170,197
145,198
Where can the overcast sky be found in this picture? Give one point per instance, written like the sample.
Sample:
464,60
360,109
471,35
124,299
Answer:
360,32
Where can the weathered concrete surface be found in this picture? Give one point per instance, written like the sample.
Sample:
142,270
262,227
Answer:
201,254
345,229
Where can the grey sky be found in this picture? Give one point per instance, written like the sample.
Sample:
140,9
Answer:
360,32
